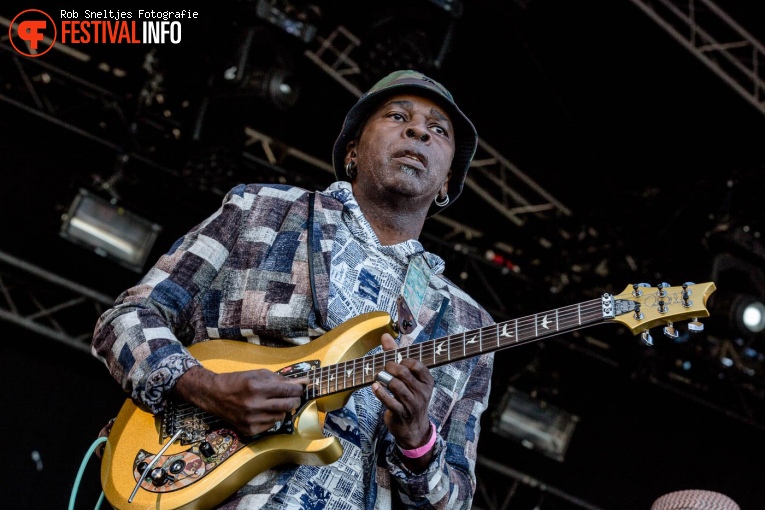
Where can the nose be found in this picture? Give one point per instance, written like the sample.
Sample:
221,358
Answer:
423,136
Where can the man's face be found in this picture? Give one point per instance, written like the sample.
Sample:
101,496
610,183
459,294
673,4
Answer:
405,151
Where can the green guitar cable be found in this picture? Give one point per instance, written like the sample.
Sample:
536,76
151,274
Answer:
77,480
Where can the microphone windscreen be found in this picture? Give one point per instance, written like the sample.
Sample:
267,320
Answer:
694,500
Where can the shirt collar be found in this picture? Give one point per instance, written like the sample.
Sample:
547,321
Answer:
360,228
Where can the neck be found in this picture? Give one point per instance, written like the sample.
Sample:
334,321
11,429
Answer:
391,223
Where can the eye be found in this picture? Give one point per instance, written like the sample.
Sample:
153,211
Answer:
398,116
439,129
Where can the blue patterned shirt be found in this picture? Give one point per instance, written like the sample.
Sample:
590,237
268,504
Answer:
242,274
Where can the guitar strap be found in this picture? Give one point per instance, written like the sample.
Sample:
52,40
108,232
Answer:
316,310
444,305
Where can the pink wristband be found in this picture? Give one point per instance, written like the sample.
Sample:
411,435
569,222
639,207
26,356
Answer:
422,450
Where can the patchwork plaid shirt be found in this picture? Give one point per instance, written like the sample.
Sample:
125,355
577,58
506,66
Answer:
243,274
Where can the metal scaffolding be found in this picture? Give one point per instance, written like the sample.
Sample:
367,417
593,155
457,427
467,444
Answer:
716,39
48,304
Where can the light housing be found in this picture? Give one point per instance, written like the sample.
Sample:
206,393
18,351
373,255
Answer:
534,424
747,314
109,230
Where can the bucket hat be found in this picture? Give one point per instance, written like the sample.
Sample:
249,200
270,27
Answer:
414,82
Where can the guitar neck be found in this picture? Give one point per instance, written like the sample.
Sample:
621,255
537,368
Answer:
357,373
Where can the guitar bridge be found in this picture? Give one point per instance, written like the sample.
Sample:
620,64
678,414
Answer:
192,421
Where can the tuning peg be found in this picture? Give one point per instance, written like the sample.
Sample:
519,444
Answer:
670,331
686,295
646,337
661,287
636,289
695,326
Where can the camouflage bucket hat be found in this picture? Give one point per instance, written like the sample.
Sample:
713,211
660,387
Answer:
413,82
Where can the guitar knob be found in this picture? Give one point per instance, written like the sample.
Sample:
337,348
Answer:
177,466
206,449
141,467
158,476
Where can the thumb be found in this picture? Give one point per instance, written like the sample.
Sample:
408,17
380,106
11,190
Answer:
387,341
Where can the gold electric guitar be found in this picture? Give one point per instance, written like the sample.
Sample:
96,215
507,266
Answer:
187,459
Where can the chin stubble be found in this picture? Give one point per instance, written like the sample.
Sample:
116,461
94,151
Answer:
410,171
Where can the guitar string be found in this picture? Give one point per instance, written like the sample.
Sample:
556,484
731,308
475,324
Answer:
579,314
372,364
584,312
587,312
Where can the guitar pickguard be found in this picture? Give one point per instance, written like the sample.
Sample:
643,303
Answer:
173,472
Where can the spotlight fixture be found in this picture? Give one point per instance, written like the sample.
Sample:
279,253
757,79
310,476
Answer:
109,230
742,298
292,17
262,68
747,314
534,424
277,85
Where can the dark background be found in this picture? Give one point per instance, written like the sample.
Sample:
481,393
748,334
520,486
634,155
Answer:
657,158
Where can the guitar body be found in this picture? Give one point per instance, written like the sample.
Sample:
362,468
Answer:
201,483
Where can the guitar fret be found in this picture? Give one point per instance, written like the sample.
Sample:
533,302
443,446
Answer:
368,369
316,381
361,371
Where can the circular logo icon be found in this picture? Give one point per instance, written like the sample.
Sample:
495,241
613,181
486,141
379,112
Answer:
32,33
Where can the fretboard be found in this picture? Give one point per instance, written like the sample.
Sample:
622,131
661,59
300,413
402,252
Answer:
359,372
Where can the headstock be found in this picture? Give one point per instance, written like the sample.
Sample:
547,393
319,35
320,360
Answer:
641,307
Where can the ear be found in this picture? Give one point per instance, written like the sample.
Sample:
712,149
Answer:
350,151
445,185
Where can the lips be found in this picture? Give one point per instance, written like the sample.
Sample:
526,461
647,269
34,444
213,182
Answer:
412,156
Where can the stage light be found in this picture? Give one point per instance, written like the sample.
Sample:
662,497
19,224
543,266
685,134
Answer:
261,68
109,230
277,85
295,19
740,276
747,314
534,424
